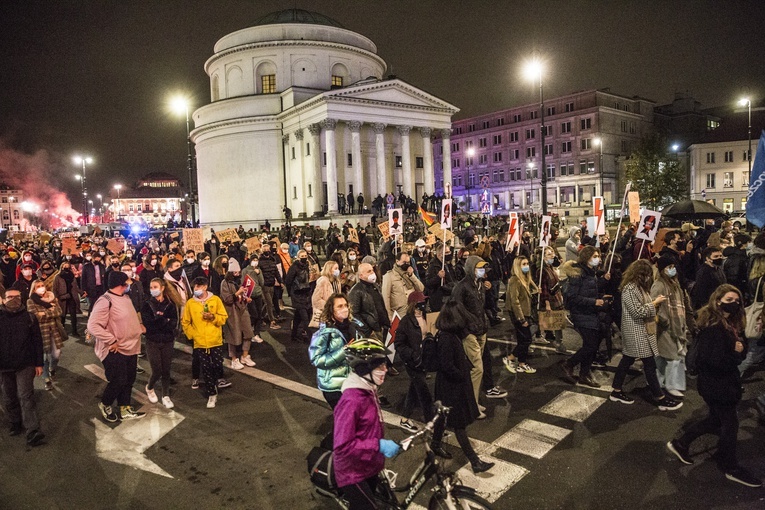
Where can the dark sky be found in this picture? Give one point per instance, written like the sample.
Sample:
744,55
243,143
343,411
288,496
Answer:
94,76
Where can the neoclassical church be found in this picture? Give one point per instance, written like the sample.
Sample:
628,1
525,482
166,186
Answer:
301,110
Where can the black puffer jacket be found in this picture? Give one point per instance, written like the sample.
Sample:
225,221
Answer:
719,379
299,285
472,295
21,343
582,290
267,264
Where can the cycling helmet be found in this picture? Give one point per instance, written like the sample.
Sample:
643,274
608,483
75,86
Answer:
365,354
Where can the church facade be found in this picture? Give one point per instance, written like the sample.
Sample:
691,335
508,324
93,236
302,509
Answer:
300,112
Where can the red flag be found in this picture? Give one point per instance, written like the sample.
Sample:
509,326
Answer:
427,217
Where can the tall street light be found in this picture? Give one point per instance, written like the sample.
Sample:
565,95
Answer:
470,152
83,160
181,106
748,103
534,72
100,206
599,143
118,205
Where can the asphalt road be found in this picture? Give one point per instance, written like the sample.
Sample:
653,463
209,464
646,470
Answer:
556,445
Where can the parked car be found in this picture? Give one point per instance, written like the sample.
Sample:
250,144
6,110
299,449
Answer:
738,218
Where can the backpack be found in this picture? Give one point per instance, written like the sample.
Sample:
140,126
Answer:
564,288
429,358
321,469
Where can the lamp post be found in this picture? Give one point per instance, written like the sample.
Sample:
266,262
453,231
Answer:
118,205
748,103
100,206
82,160
534,73
599,143
530,177
181,105
470,152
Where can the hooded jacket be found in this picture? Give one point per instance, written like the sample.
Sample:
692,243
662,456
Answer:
572,245
204,334
582,291
472,295
21,343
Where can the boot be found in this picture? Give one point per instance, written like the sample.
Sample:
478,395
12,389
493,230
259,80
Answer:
588,381
480,466
568,372
439,450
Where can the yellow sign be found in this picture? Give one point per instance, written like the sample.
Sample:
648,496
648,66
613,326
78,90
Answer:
633,199
193,239
384,230
228,236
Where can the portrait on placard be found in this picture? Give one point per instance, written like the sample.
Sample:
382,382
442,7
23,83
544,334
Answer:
395,222
544,231
649,225
446,214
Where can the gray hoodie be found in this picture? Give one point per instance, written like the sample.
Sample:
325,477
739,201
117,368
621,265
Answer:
572,245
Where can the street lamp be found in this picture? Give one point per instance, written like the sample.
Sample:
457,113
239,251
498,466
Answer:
100,206
533,71
530,177
748,103
181,106
470,152
118,205
83,160
599,143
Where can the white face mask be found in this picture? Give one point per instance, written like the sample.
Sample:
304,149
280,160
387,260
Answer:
378,376
27,257
343,314
40,291
206,263
595,262
351,257
372,278
190,260
336,273
27,272
254,263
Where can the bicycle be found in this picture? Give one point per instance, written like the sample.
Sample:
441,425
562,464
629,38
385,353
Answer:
448,493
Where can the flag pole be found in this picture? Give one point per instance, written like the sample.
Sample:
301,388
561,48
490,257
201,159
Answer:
618,229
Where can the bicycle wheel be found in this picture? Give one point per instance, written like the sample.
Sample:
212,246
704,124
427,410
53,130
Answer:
462,502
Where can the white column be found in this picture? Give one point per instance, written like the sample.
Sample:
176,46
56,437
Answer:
288,166
358,182
317,188
382,181
429,176
406,161
303,200
329,126
576,193
447,158
557,195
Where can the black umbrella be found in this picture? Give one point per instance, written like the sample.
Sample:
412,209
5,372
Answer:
692,210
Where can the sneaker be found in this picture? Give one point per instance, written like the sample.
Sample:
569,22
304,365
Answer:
668,404
211,401
510,365
107,412
141,354
257,339
274,325
139,370
222,383
496,392
35,438
407,425
195,384
588,381
560,348
128,413
598,364
48,385
247,360
539,340
167,402
676,393
620,396
744,477
681,452
524,368
235,364
152,395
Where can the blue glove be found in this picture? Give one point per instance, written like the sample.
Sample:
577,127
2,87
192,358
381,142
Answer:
389,448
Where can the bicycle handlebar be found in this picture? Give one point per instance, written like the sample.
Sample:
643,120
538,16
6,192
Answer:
441,412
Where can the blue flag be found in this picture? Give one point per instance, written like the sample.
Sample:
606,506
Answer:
755,200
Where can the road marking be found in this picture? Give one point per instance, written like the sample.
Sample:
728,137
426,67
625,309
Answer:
492,484
543,347
573,406
127,442
532,438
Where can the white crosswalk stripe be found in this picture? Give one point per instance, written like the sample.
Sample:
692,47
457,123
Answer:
492,484
573,406
532,438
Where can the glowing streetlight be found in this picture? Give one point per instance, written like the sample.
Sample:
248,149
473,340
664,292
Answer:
748,103
117,206
180,105
533,71
83,160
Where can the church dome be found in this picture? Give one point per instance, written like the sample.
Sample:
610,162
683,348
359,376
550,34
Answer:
297,16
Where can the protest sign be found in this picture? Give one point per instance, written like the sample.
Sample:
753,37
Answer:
228,236
193,239
115,245
633,199
253,244
446,214
384,231
600,227
353,236
545,236
69,246
649,225
513,231
395,222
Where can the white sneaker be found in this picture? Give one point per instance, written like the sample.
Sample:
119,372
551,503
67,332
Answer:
247,360
167,402
676,393
257,339
523,368
211,401
510,365
235,364
152,395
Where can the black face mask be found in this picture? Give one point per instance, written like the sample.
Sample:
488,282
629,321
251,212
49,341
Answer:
730,308
449,258
717,262
14,304
405,267
176,274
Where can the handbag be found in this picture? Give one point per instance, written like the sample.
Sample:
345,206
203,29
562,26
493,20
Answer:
315,319
552,320
753,329
650,327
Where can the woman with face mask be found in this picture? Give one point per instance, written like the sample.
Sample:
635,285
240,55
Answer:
326,350
721,347
584,298
550,295
238,328
159,316
520,288
43,304
67,293
327,284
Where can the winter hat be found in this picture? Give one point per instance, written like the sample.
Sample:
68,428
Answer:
117,279
416,297
664,262
233,266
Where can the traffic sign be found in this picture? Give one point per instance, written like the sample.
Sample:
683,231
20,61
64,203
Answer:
703,193
485,181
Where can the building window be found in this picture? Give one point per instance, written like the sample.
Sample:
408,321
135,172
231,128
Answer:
565,127
625,146
501,121
515,154
419,162
517,117
727,179
337,81
565,147
569,107
399,162
530,134
582,167
534,114
624,126
324,158
482,142
138,207
497,157
495,176
712,124
497,139
586,123
455,163
550,110
502,175
293,153
456,147
633,128
710,181
468,144
471,128
514,136
591,167
130,207
531,152
485,124
586,144
268,83
710,157
468,161
546,130
483,159
745,179
310,191
551,172
308,149
294,192
350,159
729,156
548,149
5,200
16,214
517,174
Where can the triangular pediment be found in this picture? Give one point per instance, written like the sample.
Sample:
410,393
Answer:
394,92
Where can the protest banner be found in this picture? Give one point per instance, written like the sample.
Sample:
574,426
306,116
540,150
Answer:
353,236
545,236
395,226
446,214
513,232
228,236
248,284
253,244
633,199
600,226
115,245
649,225
430,239
69,246
384,231
193,239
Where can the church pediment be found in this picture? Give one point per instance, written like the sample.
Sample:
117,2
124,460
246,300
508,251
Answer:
393,92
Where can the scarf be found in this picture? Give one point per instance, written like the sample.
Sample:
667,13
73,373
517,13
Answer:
404,277
38,300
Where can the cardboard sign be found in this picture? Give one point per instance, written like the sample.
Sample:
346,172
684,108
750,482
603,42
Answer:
253,244
430,239
443,235
353,236
649,225
228,236
513,232
633,199
193,239
384,231
446,214
69,246
600,226
97,231
115,245
174,235
544,231
248,284
658,243
392,335
64,235
395,222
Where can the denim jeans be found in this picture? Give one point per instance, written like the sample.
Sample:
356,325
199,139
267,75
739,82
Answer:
754,355
50,361
18,397
671,373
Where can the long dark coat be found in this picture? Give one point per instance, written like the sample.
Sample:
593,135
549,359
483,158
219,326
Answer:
453,386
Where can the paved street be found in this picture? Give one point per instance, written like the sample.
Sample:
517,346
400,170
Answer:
556,445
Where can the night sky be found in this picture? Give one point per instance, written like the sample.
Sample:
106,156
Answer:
94,76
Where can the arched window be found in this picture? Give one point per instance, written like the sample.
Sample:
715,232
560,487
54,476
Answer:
265,78
340,76
16,214
215,88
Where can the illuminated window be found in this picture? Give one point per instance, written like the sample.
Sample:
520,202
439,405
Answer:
337,81
268,83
